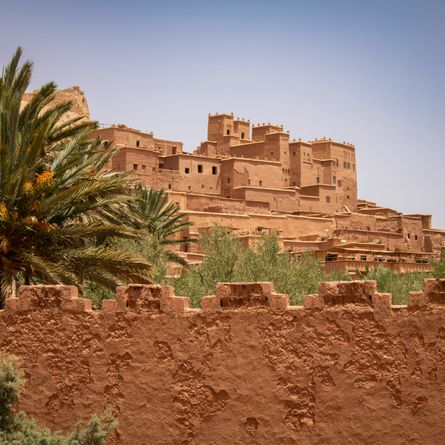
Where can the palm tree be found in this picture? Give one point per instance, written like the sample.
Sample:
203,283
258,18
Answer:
161,218
56,197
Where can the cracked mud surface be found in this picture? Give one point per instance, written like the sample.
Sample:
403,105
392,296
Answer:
341,375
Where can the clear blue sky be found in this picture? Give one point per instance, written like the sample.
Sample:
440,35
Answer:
367,72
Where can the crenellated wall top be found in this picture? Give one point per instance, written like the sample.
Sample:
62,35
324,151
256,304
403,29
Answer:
155,299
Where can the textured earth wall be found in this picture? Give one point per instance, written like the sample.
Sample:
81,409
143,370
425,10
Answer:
347,368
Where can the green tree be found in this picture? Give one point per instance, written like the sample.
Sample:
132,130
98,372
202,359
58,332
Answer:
396,284
162,220
266,262
17,429
222,252
57,200
227,261
159,223
438,268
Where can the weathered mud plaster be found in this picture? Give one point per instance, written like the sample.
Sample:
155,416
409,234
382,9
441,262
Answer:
347,368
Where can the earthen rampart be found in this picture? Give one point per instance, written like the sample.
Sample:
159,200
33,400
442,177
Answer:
247,368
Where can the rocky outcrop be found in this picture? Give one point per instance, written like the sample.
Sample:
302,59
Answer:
75,95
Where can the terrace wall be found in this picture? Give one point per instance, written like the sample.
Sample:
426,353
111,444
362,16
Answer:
347,368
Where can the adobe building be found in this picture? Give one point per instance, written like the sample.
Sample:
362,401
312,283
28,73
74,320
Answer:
254,178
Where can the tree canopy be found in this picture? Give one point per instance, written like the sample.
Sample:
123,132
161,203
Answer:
57,199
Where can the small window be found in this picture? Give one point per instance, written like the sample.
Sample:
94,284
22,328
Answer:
189,187
248,182
339,182
328,199
242,135
344,164
228,180
202,186
347,196
153,169
173,150
334,179
169,186
261,183
362,257
138,143
271,153
349,165
135,166
200,169
415,237
214,170
294,153
228,132
318,179
187,170
409,235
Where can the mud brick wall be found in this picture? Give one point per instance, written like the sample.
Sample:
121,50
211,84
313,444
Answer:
247,368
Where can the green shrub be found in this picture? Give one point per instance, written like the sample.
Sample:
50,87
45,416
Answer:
227,261
396,284
438,269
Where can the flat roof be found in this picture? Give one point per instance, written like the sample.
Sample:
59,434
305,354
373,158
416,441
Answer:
238,158
373,232
331,141
256,215
319,185
168,140
133,130
192,155
274,189
300,142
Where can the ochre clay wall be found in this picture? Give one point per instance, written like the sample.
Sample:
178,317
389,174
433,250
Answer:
196,174
125,137
279,200
208,203
347,368
391,240
290,226
436,239
356,221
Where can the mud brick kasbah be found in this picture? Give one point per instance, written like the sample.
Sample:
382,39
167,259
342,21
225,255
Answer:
253,179
346,368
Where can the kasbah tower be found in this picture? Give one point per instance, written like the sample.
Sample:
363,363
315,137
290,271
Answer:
255,178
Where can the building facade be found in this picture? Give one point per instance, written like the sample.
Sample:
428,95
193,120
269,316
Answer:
255,178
